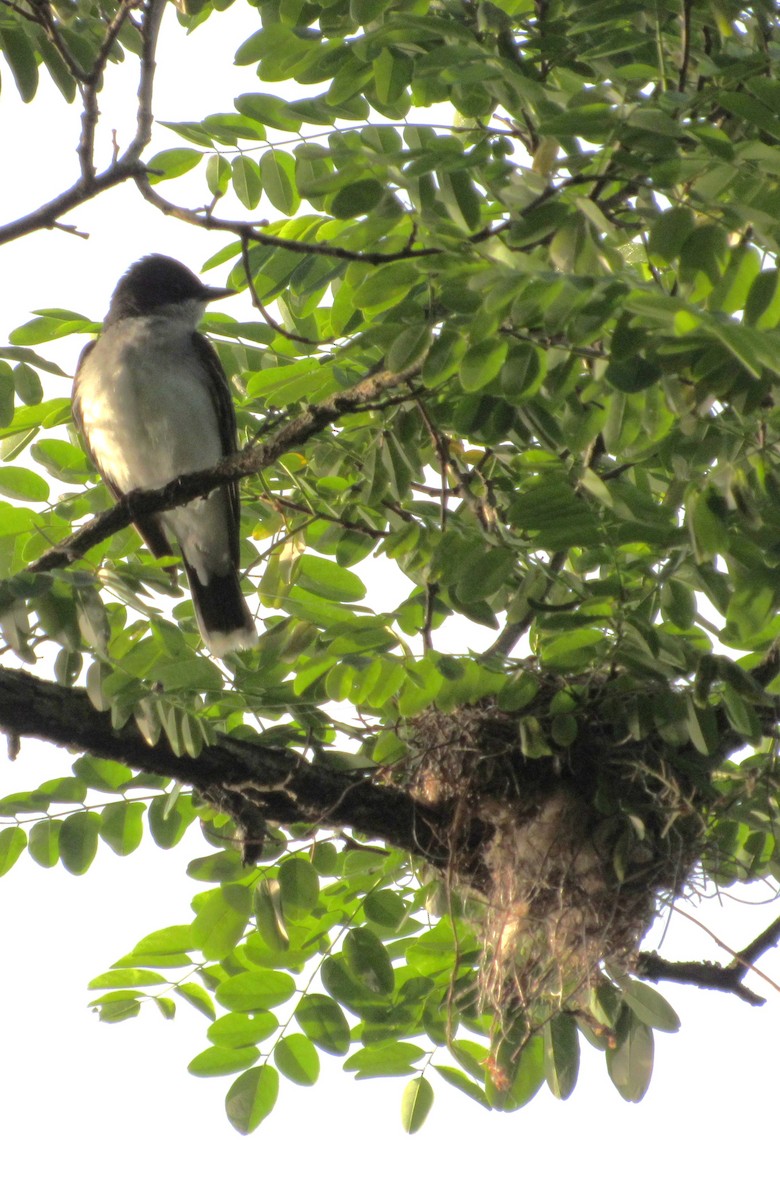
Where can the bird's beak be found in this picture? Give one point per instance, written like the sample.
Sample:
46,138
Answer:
215,293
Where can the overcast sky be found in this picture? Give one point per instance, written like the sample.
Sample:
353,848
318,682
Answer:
87,1108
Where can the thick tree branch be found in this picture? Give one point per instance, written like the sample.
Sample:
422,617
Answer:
255,782
47,216
279,784
711,975
250,461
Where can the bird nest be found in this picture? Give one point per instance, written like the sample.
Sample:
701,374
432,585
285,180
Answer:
571,849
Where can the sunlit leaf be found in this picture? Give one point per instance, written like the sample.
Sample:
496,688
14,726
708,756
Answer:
252,1097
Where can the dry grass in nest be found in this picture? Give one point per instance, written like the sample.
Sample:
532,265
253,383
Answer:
573,852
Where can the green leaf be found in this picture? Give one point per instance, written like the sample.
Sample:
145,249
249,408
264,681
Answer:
242,1029
561,1055
481,364
649,1005
28,385
678,603
762,307
706,525
251,990
384,1059
296,1057
252,1097
170,164
223,867
102,774
523,371
706,250
221,922
22,484
190,130
218,174
118,1006
247,182
385,908
529,1075
328,579
269,110
166,1006
47,328
323,1022
44,842
12,842
277,172
196,674
79,841
7,391
484,575
462,1082
669,233
385,286
392,71
356,198
416,1104
632,374
408,348
269,916
444,358
368,961
461,198
20,56
630,1065
122,826
127,977
300,887
197,996
222,1060
174,939
168,822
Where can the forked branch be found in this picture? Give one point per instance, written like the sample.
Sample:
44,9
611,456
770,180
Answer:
128,165
711,975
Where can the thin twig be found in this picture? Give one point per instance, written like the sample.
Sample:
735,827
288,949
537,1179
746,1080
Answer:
91,83
742,962
43,16
252,232
126,166
261,308
144,117
682,81
512,632
318,515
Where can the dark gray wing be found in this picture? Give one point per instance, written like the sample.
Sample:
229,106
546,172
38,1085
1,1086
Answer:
150,528
226,422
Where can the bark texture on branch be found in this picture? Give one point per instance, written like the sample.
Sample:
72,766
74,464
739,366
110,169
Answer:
261,783
284,786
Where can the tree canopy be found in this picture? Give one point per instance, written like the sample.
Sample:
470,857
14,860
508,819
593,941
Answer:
511,350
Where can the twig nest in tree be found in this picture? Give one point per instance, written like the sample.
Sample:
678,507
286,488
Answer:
572,849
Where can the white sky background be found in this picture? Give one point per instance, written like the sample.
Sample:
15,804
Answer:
88,1109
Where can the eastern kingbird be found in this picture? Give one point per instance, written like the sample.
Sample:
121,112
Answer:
152,402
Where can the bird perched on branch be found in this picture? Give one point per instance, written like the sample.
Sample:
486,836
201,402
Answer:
153,403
